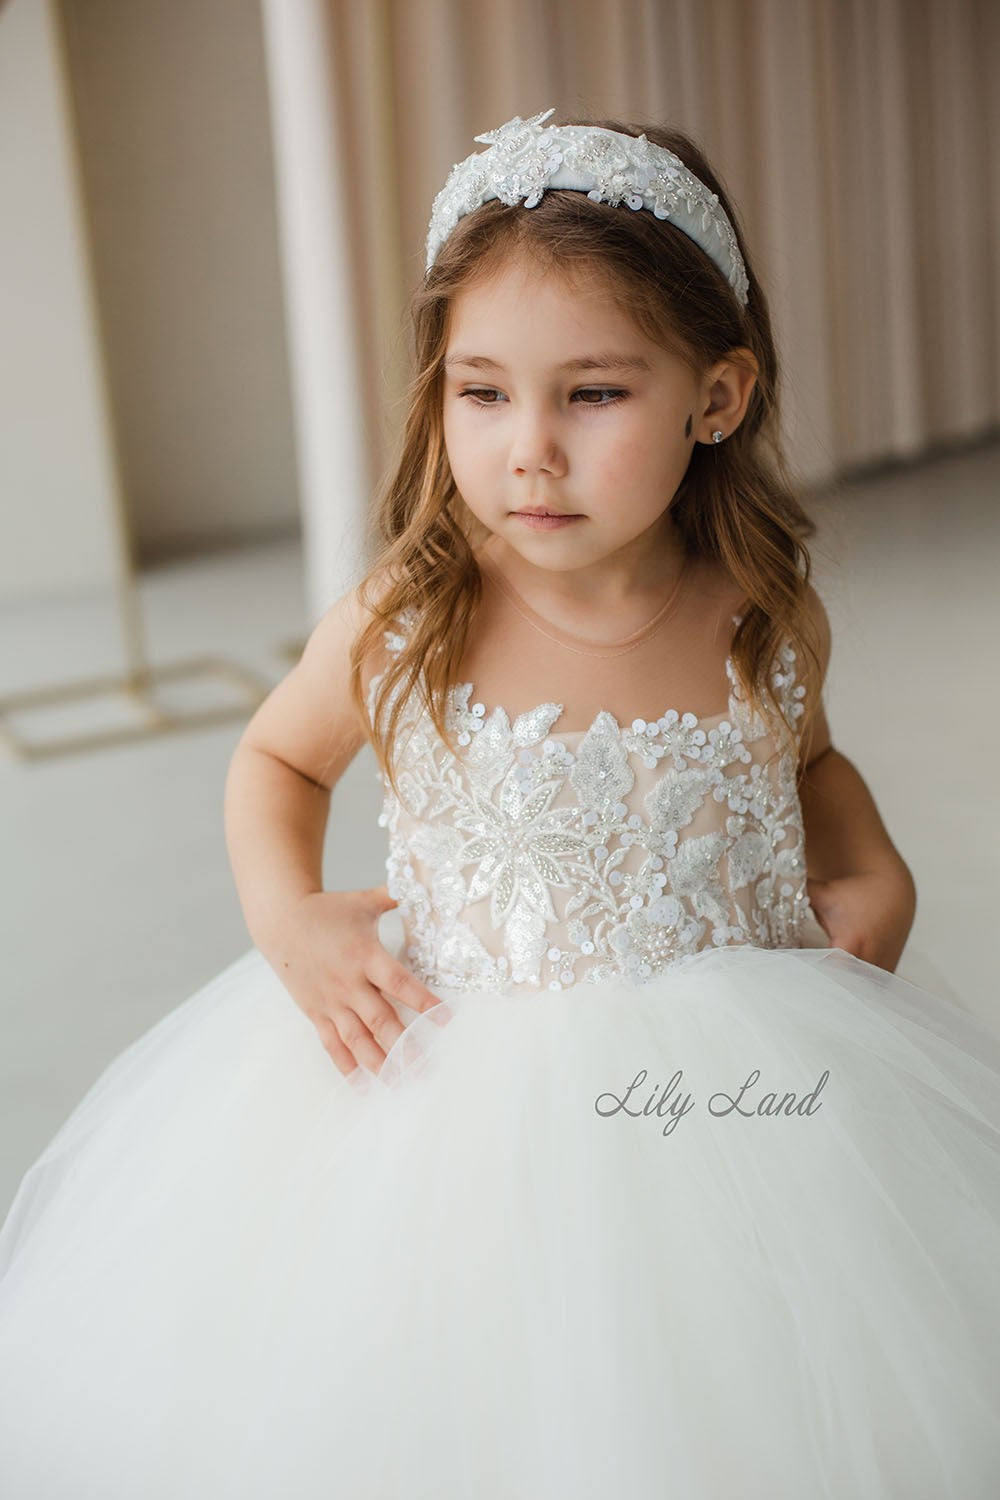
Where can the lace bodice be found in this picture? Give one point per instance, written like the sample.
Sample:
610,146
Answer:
541,858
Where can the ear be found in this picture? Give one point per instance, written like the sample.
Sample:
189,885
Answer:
726,392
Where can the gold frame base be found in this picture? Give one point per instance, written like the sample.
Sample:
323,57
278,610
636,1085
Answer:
138,688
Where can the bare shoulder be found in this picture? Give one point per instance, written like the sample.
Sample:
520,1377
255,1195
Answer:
310,720
717,594
821,622
816,737
721,593
328,647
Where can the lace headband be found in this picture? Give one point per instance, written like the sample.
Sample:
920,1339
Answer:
526,156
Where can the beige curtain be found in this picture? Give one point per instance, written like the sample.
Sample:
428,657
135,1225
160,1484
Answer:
858,136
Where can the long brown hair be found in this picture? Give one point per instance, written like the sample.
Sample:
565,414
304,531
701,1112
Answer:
736,503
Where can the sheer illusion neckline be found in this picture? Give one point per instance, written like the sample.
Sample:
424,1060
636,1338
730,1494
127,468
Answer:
611,649
600,650
460,696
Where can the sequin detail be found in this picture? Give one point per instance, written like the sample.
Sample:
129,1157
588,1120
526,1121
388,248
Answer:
539,859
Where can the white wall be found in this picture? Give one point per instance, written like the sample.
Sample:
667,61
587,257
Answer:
56,466
171,106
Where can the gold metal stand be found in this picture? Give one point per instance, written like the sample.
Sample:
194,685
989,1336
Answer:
137,690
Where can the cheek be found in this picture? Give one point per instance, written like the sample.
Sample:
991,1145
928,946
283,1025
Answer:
454,445
448,428
630,458
462,436
643,459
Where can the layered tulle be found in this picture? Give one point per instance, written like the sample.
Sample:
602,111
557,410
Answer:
560,1247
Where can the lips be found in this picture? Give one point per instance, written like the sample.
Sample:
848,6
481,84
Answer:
540,520
541,511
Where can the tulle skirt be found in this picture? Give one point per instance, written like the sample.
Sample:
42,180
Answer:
735,1232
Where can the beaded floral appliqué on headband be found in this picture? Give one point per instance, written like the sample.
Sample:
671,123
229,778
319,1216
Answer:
526,157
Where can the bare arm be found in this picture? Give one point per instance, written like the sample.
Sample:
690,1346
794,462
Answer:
291,754
275,825
858,883
322,944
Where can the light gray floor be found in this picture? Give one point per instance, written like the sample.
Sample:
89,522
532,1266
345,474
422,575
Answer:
117,901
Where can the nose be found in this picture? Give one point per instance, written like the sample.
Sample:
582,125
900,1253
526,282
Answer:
535,445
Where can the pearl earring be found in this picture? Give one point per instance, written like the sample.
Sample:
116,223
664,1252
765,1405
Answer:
717,435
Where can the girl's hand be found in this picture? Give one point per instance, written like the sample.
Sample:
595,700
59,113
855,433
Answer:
869,915
328,956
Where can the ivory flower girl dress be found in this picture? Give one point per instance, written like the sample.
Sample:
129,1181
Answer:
676,1200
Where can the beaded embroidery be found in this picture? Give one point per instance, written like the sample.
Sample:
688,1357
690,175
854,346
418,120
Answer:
545,859
525,157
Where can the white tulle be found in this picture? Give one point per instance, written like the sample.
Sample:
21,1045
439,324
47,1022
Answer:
235,1273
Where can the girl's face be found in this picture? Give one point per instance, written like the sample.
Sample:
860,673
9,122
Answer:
553,400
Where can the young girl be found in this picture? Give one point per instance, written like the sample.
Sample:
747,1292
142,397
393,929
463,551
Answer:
633,1168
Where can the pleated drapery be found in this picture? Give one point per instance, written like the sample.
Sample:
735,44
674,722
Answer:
859,138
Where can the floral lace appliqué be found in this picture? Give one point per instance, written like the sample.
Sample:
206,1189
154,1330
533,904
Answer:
536,859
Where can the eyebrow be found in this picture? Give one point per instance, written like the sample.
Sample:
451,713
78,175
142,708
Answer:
620,362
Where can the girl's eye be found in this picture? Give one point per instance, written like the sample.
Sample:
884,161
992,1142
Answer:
612,395
479,396
605,396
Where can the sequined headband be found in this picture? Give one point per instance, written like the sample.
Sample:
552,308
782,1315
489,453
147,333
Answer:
527,156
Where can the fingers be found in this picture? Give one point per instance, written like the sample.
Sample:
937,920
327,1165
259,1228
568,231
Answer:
363,1031
369,1028
351,999
381,900
333,1045
393,978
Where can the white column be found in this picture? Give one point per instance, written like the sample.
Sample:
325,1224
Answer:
334,482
